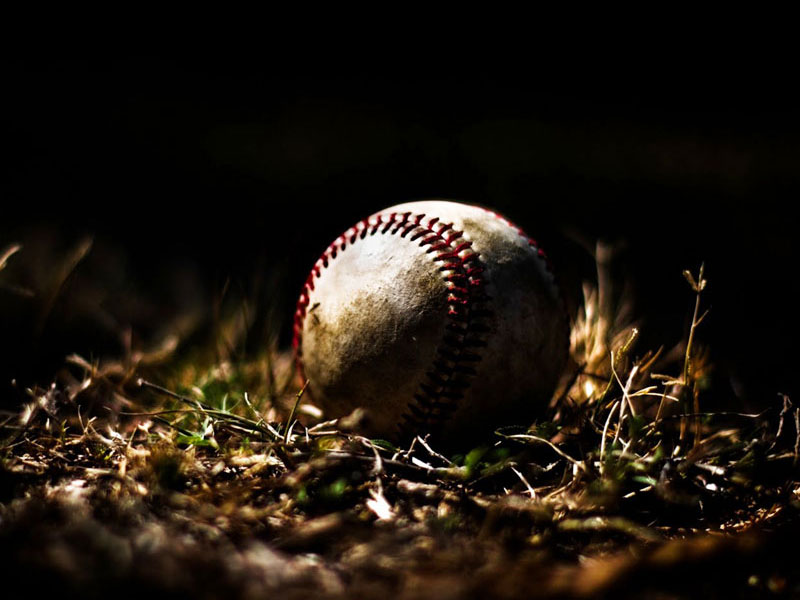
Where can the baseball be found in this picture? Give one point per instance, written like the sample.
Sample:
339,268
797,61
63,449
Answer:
435,317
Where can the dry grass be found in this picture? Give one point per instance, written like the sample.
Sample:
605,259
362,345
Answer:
205,484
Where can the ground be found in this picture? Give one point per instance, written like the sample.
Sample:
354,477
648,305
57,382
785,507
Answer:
201,470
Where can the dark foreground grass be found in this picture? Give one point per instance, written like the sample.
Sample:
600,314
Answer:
186,473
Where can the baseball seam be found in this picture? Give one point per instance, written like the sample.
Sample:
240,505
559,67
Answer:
547,265
531,242
457,355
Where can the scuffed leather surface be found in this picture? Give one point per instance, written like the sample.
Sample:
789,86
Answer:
378,313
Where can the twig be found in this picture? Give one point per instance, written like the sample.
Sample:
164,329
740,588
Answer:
294,411
698,286
787,407
660,409
378,468
605,435
253,409
531,491
723,413
432,452
394,465
147,384
556,449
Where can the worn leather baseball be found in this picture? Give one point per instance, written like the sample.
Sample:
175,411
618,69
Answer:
435,317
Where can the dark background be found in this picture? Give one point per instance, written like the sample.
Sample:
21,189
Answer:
186,178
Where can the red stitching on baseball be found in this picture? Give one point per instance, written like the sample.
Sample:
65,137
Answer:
439,246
